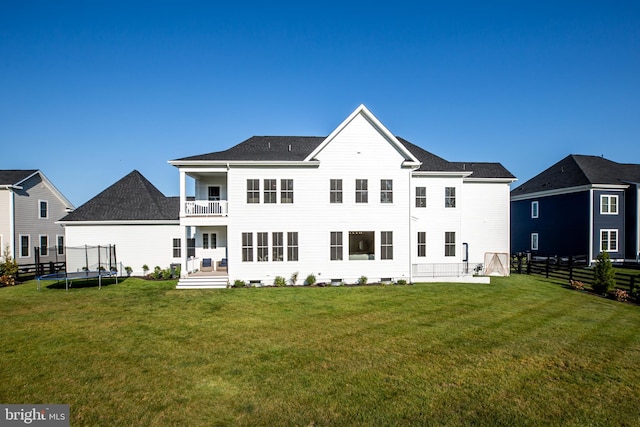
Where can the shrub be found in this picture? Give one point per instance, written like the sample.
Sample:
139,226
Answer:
128,269
310,280
620,294
603,275
294,278
362,280
157,272
577,285
401,282
145,269
166,274
239,283
280,281
8,268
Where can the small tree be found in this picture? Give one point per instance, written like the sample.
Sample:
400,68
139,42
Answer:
8,268
145,269
603,275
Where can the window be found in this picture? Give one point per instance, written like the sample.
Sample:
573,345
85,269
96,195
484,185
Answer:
534,241
335,191
361,245
191,247
214,194
263,247
247,247
205,241
60,245
609,205
270,191
336,245
421,197
44,245
450,197
386,191
386,245
609,240
214,241
278,246
422,243
292,246
253,191
25,246
449,243
286,191
362,195
176,248
43,206
534,209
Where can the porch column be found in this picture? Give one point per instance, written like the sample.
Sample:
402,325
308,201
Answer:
183,191
183,250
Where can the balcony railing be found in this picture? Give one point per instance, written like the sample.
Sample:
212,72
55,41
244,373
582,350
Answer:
206,208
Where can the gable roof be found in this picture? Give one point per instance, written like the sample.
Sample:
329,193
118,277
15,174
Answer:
577,170
304,149
15,176
132,198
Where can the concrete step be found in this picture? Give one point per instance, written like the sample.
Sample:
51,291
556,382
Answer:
203,282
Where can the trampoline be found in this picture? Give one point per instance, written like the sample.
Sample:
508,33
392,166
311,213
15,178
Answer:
69,277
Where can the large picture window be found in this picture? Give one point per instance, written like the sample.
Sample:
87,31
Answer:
361,245
609,240
608,205
335,191
362,191
336,246
450,243
253,191
386,191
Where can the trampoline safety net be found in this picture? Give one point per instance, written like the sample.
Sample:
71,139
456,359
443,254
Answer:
90,258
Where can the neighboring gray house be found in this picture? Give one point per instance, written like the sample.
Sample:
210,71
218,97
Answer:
30,206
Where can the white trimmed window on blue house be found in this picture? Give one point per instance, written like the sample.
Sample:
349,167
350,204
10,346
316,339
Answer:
534,241
609,240
535,207
608,205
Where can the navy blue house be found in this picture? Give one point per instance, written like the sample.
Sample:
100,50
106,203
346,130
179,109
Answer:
582,205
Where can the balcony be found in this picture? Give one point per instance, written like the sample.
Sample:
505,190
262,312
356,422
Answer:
204,208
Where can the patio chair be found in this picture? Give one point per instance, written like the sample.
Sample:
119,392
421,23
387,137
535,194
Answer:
206,265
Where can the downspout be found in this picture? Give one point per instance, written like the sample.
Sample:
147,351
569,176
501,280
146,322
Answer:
410,228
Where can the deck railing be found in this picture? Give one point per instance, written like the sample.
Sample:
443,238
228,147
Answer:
206,208
447,270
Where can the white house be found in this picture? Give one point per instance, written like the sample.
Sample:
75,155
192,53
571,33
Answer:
359,202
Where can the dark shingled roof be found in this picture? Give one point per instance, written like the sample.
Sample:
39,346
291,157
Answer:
12,177
578,170
297,148
133,198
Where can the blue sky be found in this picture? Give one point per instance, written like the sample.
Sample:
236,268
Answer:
91,90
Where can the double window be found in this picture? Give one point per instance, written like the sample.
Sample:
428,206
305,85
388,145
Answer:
277,246
209,241
177,249
270,191
608,205
609,240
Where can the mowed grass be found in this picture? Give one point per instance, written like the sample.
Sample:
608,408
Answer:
520,351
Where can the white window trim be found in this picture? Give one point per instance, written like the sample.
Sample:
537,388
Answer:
20,246
608,231
602,204
535,209
40,201
535,241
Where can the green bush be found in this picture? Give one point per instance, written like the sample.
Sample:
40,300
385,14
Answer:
603,274
280,281
157,272
145,269
310,280
294,278
166,274
363,280
401,282
239,283
8,268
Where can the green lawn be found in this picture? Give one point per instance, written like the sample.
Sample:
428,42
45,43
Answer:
520,351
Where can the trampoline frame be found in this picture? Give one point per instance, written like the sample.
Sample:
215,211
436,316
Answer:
69,277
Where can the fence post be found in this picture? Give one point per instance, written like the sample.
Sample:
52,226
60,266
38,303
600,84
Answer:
519,255
546,272
632,284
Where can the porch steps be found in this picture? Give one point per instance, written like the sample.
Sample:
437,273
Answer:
203,282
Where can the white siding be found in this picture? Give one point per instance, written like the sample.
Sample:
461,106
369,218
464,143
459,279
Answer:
136,245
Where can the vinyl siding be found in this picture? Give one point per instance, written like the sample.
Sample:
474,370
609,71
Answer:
5,220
